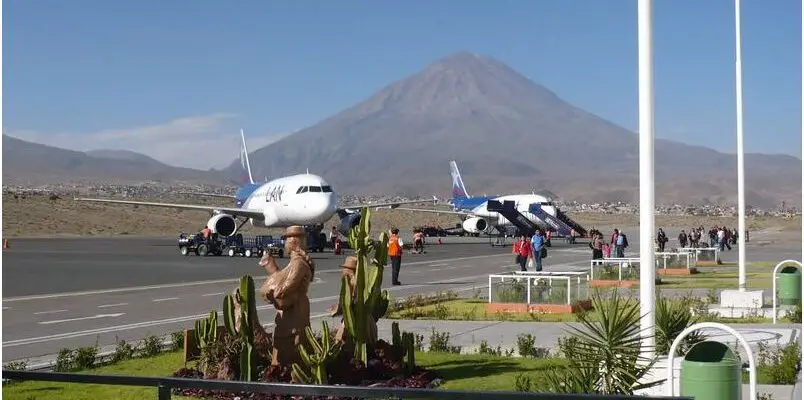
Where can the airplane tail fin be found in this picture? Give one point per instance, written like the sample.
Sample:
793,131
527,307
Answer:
245,176
458,189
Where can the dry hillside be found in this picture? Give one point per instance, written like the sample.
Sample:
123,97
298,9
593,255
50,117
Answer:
40,216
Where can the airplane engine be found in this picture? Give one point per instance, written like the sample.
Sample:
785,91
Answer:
348,222
476,225
222,224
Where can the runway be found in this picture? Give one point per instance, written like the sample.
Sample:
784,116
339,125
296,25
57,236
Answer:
68,293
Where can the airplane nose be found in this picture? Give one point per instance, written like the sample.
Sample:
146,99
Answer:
325,205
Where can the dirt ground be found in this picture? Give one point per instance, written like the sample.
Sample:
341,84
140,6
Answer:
38,216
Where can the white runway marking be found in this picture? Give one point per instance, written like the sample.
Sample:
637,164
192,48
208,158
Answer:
146,324
212,294
6,308
436,269
113,305
199,283
81,318
165,299
438,265
50,312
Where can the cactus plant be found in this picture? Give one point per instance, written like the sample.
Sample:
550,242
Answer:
206,330
323,353
241,324
396,339
404,345
408,342
368,303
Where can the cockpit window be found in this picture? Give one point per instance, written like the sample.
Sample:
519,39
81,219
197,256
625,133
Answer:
315,189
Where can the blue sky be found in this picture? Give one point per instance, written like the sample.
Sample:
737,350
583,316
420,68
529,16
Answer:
173,78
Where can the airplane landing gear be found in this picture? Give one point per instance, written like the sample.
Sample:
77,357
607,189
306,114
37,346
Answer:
316,239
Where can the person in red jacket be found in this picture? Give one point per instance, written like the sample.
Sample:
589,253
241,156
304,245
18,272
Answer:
522,251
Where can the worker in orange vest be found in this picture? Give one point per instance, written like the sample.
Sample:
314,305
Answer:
395,254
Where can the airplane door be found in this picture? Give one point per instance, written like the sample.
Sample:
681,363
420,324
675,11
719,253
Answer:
284,198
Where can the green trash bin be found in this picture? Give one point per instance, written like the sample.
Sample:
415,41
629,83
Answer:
711,371
788,285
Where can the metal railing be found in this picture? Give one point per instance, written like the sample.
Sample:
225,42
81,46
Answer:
632,263
665,256
697,251
620,262
166,385
571,278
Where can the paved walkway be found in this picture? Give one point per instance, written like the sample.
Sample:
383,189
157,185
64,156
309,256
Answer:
469,334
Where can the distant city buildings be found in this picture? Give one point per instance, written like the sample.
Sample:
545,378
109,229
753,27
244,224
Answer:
160,190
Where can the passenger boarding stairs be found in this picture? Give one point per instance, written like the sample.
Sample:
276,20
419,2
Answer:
508,210
560,222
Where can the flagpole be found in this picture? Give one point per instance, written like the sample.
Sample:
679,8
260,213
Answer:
647,273
738,67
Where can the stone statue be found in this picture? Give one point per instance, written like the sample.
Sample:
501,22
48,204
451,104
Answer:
286,289
348,269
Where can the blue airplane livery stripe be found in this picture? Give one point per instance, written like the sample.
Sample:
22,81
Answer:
469,203
244,193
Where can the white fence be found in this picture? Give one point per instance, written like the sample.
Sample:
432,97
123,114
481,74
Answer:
710,254
559,287
628,266
678,259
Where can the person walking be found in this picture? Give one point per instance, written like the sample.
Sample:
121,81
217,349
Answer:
395,254
597,246
661,238
537,245
522,251
333,236
621,242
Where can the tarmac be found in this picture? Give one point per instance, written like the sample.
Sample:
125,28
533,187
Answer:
68,293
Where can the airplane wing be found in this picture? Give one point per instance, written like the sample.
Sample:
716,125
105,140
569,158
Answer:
464,213
225,196
234,211
392,204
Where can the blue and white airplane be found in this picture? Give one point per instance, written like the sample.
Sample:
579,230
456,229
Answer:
303,199
475,208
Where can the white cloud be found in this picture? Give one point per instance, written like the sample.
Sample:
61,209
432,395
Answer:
201,142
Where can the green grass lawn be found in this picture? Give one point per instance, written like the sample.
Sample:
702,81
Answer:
483,372
719,279
162,365
461,372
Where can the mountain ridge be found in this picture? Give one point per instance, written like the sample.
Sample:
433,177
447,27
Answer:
30,162
476,109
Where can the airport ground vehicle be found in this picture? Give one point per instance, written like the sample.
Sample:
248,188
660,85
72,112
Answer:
230,245
317,242
196,244
256,246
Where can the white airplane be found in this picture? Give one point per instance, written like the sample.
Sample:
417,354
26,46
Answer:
537,209
303,199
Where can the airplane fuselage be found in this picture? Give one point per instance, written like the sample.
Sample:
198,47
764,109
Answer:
304,199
